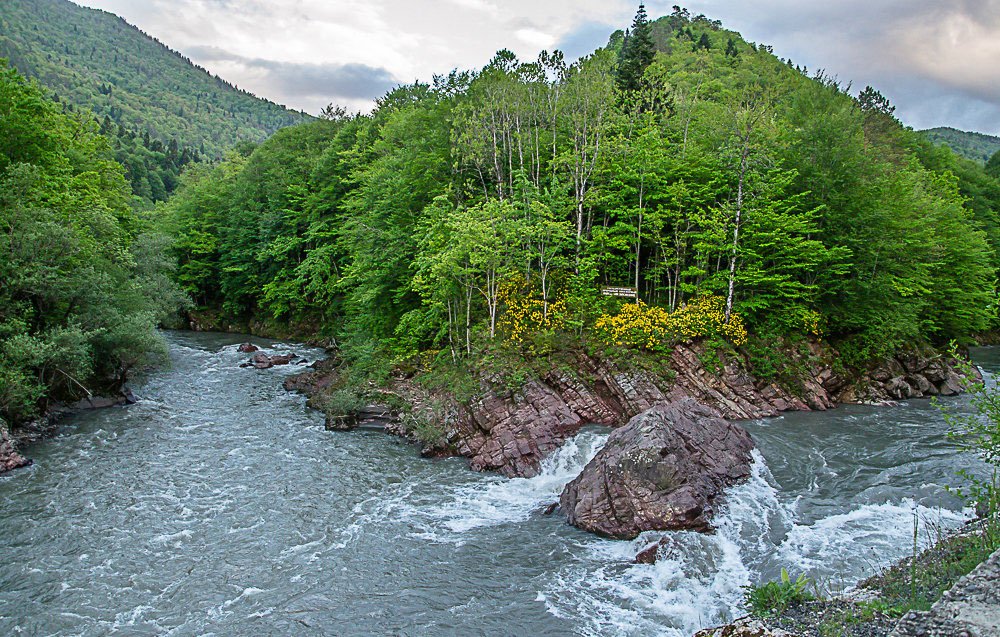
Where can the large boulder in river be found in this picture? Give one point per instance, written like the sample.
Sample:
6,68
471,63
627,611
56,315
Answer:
664,470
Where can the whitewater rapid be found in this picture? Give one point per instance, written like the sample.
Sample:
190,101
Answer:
220,505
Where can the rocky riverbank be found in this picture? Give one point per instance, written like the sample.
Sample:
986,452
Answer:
511,427
958,587
11,439
668,466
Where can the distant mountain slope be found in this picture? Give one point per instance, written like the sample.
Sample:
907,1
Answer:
974,146
94,59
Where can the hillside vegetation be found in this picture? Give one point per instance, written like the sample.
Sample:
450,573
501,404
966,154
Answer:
84,281
741,197
94,59
975,146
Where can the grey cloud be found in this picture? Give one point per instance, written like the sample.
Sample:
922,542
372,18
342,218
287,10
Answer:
292,80
585,38
905,48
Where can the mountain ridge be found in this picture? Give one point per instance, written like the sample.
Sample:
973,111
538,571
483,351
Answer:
978,147
95,59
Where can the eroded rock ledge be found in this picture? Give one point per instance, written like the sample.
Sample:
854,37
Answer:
512,431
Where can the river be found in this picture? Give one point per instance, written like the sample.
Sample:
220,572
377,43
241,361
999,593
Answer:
219,505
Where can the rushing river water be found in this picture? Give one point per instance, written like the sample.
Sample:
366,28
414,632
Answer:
219,505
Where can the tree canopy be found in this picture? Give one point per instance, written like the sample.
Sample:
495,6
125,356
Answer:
83,283
496,205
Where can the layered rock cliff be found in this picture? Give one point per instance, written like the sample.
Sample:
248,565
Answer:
512,429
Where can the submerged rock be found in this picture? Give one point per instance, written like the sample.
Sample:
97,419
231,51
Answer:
648,555
663,471
260,360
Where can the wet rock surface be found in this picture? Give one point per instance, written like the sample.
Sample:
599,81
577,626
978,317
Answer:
261,360
317,378
10,459
665,470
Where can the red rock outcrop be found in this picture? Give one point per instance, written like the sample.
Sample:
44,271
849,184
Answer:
663,471
513,430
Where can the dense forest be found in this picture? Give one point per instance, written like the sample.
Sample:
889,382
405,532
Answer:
679,183
95,60
85,280
740,196
975,146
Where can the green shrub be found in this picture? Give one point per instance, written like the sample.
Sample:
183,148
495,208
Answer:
428,427
774,597
341,407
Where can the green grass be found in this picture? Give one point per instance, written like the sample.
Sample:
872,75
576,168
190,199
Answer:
916,583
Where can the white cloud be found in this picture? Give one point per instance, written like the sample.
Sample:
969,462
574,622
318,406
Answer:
936,60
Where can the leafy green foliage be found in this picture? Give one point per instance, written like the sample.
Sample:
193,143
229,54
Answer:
774,597
918,582
723,172
979,432
83,282
95,60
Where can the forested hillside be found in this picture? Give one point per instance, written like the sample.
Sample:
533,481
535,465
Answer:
94,59
975,146
85,281
742,199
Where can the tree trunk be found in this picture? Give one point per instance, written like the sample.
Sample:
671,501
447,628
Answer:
744,156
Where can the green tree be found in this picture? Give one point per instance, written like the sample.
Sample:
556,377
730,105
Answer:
78,309
993,166
637,52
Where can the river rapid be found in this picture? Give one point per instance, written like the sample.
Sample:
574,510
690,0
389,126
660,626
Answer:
219,505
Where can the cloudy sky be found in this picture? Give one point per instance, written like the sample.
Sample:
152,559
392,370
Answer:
937,60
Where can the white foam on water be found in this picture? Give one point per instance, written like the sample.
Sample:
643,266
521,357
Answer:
698,579
130,618
247,592
174,538
495,501
841,548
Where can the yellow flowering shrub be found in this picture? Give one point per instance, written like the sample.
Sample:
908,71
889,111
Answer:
525,315
811,323
639,325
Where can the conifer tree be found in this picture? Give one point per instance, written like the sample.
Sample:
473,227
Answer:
637,52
